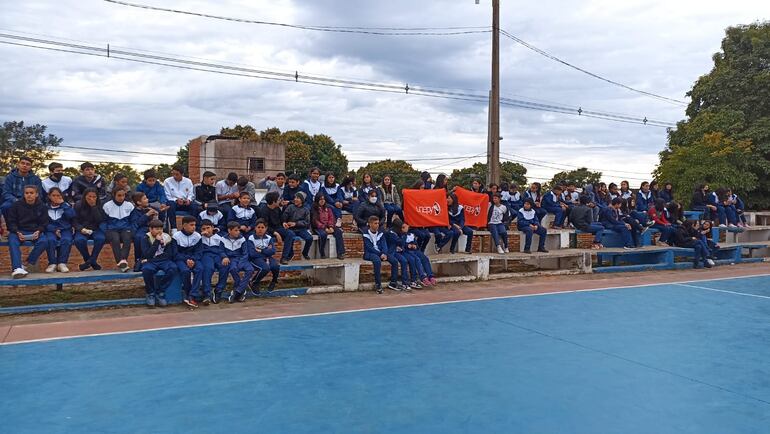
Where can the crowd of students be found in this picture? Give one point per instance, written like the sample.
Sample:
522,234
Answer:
225,231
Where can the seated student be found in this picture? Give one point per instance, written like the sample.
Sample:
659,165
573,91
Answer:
391,199
427,181
16,182
89,179
57,179
237,261
612,193
421,262
657,215
637,229
291,190
188,259
700,201
593,201
158,252
737,204
582,217
612,219
246,186
367,185
243,214
180,194
535,192
349,195
515,198
706,233
334,197
499,218
215,216
528,223
212,258
156,194
273,184
477,186
371,207
727,215
311,186
26,220
261,249
644,201
688,237
227,192
296,218
654,189
118,227
553,204
441,182
120,181
667,193
602,196
272,214
451,233
492,190
58,231
397,254
674,213
89,222
140,219
323,224
375,249
206,192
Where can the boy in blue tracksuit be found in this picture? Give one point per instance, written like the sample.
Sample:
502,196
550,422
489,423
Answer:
612,219
375,249
156,194
20,177
421,262
553,204
212,213
737,204
237,261
243,214
59,231
528,223
311,186
396,258
456,226
261,248
212,258
188,259
395,238
140,219
118,227
158,252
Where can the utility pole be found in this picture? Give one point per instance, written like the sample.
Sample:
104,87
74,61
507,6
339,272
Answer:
493,136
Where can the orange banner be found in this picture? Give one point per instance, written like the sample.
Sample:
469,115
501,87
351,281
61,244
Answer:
425,208
475,206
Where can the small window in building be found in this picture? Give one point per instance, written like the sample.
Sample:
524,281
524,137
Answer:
256,164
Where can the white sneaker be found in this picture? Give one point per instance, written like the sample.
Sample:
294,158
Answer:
51,268
19,273
723,225
500,250
731,225
507,250
338,223
63,268
711,262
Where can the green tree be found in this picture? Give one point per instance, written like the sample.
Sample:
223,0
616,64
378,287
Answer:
163,170
580,177
298,158
402,172
17,139
509,172
183,158
733,102
109,170
72,172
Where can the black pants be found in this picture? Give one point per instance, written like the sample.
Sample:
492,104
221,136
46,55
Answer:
121,244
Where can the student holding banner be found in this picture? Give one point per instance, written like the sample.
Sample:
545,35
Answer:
474,205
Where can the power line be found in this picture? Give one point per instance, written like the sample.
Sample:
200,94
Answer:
378,31
585,71
572,167
213,67
555,168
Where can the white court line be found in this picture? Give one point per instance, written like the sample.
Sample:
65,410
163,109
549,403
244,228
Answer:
338,312
745,294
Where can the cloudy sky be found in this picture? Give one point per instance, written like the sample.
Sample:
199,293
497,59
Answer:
654,45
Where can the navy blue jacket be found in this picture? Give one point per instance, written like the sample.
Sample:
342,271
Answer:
235,249
376,247
459,218
333,194
549,202
665,195
188,246
60,218
244,216
266,245
13,187
151,247
139,220
118,216
642,204
523,222
610,217
213,247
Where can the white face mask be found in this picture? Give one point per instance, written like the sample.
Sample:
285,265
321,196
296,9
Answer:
373,199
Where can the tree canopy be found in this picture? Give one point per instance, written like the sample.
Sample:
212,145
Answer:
303,151
402,172
726,139
509,172
579,177
18,139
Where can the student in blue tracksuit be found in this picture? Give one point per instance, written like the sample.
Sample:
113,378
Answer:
667,193
243,214
375,249
141,217
611,218
452,232
727,215
118,227
397,251
515,198
528,223
291,190
156,194
553,204
296,219
311,186
158,251
59,231
236,250
421,262
738,206
16,181
261,247
212,213
334,197
644,201
188,259
349,193
212,259
535,192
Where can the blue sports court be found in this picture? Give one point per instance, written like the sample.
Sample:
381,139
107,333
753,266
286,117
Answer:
671,358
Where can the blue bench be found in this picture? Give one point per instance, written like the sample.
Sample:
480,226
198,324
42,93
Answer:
693,215
612,239
634,260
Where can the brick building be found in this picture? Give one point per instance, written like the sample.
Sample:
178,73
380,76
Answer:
222,154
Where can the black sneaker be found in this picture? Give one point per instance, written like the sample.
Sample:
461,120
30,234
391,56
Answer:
378,288
271,286
323,256
306,257
242,297
86,265
542,250
96,266
284,261
527,251
216,296
404,287
341,257
206,301
137,267
394,286
232,298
